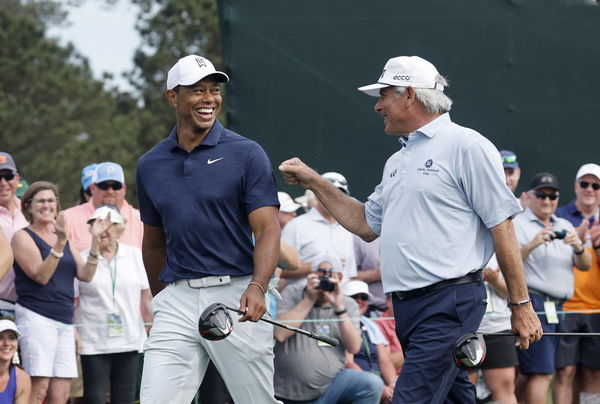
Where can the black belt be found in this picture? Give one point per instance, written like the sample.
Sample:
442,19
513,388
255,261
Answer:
468,278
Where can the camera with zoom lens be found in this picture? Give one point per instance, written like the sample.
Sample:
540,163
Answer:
559,234
324,283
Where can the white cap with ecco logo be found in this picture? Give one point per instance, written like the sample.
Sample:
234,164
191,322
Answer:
405,71
191,69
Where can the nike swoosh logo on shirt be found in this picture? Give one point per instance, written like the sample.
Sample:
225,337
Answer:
215,160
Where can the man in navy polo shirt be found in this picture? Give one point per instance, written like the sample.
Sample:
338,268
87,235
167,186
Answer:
441,208
205,193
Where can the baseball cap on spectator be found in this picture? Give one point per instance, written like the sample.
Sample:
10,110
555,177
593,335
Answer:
590,168
6,324
330,257
509,159
191,69
21,187
544,180
7,162
355,287
286,203
304,200
338,180
108,171
405,71
87,175
103,210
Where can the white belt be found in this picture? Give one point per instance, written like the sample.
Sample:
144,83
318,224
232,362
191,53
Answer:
209,281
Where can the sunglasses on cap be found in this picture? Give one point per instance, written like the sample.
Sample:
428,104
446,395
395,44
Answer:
543,195
361,296
585,184
509,159
105,185
8,176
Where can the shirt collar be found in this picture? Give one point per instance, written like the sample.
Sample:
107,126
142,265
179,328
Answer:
17,207
315,215
433,127
211,139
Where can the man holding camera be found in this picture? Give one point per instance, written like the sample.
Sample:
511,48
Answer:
311,371
550,247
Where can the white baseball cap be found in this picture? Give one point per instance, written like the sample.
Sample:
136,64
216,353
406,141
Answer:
354,287
405,71
338,180
191,69
103,210
590,168
6,324
286,203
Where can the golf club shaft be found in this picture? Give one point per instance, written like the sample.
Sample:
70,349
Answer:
328,340
546,334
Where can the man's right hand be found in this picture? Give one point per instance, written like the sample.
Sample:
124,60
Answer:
526,324
295,172
312,287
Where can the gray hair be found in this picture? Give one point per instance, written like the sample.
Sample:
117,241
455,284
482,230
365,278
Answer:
434,101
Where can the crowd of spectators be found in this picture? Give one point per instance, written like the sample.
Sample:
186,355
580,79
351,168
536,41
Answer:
80,298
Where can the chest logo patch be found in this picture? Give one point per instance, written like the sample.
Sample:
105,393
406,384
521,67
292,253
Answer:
428,168
214,161
429,163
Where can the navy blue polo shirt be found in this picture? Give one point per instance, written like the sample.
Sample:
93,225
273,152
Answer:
570,212
202,200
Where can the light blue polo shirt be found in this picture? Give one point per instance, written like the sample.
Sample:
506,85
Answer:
437,199
549,266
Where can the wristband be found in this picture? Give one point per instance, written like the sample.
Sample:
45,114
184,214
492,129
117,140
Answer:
56,254
97,255
580,252
339,313
259,285
521,303
92,261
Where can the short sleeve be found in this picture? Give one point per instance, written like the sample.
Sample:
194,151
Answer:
260,188
374,209
483,181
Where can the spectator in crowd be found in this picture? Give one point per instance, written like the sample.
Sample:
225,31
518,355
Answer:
501,357
307,371
45,268
11,220
15,384
87,175
374,353
316,232
582,309
6,256
118,297
108,186
367,270
287,208
387,325
550,247
512,172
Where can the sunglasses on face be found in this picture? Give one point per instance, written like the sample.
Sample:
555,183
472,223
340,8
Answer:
105,185
543,195
7,176
585,184
361,296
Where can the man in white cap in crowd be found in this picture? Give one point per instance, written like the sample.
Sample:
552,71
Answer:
107,186
583,308
317,231
208,200
11,220
441,209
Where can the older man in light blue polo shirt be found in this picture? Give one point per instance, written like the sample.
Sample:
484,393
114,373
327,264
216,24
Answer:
442,208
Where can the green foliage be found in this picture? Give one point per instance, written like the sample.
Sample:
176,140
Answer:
54,117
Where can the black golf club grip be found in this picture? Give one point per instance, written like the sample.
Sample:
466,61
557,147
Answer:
328,340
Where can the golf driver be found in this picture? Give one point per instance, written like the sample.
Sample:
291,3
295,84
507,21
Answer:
216,324
469,350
